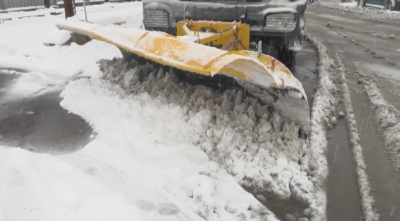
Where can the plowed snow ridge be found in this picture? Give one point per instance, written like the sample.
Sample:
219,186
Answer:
367,199
260,149
388,118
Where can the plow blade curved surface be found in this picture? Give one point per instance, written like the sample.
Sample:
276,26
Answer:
253,70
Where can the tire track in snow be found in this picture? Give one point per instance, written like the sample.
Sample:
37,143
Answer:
322,108
369,212
373,53
388,119
367,199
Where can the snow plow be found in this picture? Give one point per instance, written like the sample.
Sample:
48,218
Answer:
213,51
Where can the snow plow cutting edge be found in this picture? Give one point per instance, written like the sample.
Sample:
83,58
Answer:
192,52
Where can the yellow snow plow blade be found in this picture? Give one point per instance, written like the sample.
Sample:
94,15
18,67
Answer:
189,53
172,51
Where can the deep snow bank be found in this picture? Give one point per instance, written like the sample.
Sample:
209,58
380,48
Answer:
138,167
152,138
261,150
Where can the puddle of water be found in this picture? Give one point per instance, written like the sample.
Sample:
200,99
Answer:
40,124
6,80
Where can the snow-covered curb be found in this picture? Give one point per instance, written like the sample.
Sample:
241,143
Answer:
366,13
364,186
388,119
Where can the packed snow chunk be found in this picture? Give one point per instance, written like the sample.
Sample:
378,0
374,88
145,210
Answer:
231,206
205,189
59,37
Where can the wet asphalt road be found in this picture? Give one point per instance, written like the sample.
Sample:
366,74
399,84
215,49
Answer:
355,41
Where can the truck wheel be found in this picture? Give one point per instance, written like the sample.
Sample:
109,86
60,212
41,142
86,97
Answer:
361,3
287,57
389,5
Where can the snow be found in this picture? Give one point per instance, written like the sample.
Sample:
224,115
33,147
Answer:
388,119
206,60
259,149
23,46
366,13
367,199
349,4
323,108
157,148
163,150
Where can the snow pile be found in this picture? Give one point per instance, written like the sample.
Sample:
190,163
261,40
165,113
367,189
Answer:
323,109
127,13
349,4
12,14
120,177
152,138
36,47
23,46
367,199
262,151
108,13
367,13
388,118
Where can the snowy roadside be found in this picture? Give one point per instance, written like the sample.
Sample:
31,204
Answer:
23,47
366,13
157,153
126,173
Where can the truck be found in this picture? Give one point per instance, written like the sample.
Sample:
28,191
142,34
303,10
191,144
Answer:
278,24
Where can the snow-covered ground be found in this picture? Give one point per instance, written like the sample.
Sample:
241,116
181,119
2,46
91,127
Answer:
163,150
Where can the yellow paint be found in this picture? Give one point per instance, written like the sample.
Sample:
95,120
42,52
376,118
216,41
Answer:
188,56
224,36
